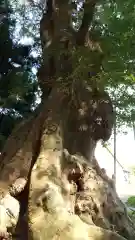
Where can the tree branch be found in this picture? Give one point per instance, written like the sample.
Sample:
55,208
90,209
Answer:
47,25
63,18
56,36
50,7
89,7
47,31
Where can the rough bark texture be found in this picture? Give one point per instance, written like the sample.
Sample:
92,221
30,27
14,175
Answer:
48,164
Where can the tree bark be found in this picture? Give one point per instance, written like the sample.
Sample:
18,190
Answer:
48,163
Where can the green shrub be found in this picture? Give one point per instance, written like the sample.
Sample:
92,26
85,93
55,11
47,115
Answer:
131,201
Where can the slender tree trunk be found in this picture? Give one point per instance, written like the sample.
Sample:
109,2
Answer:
115,158
134,129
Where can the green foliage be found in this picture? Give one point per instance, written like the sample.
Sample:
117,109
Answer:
18,86
132,169
15,81
116,23
113,28
131,201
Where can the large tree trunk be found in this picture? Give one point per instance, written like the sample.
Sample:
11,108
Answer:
48,163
